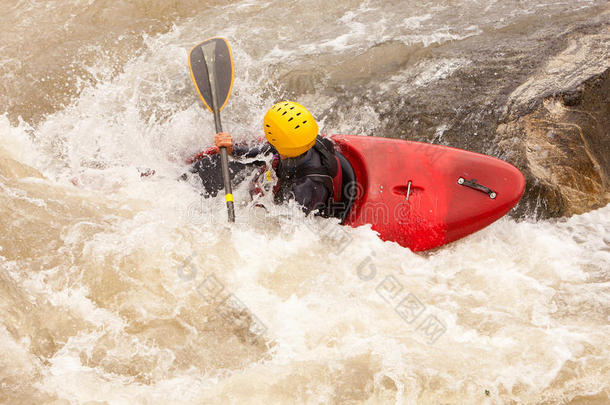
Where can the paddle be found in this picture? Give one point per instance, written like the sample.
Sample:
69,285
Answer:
211,66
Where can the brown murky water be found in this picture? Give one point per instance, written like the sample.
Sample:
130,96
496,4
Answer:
117,289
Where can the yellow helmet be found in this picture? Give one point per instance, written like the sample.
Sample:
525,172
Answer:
290,128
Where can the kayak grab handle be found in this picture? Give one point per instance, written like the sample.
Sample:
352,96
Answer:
407,191
473,184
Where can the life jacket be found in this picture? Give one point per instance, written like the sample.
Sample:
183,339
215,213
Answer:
328,173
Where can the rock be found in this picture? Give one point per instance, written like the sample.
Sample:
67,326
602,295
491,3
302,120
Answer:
535,95
556,129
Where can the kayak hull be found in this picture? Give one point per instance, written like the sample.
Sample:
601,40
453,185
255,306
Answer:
422,195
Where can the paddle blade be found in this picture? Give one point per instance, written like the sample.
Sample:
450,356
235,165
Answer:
217,56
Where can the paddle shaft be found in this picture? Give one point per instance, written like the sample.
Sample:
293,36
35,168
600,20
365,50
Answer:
209,56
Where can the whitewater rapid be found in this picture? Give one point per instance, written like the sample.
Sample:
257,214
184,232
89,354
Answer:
119,288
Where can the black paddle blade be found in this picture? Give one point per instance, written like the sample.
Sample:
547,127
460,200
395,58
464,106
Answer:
217,56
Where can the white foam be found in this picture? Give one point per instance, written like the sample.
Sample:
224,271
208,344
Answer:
522,302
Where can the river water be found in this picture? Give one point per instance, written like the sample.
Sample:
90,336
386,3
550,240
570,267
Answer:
117,288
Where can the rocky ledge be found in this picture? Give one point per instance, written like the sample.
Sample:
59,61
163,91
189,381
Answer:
561,140
534,93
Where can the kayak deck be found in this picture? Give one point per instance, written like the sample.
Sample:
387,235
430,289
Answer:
422,195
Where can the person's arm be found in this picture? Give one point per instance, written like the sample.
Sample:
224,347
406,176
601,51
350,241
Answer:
311,194
224,139
207,166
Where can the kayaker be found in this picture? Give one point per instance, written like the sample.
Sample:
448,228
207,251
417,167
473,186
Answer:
305,163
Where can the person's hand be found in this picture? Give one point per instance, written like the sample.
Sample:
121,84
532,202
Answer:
224,139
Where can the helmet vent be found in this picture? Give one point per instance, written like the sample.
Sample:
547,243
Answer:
290,128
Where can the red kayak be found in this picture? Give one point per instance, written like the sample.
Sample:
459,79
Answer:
423,196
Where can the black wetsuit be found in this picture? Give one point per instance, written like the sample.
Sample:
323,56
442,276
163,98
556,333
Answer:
308,178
